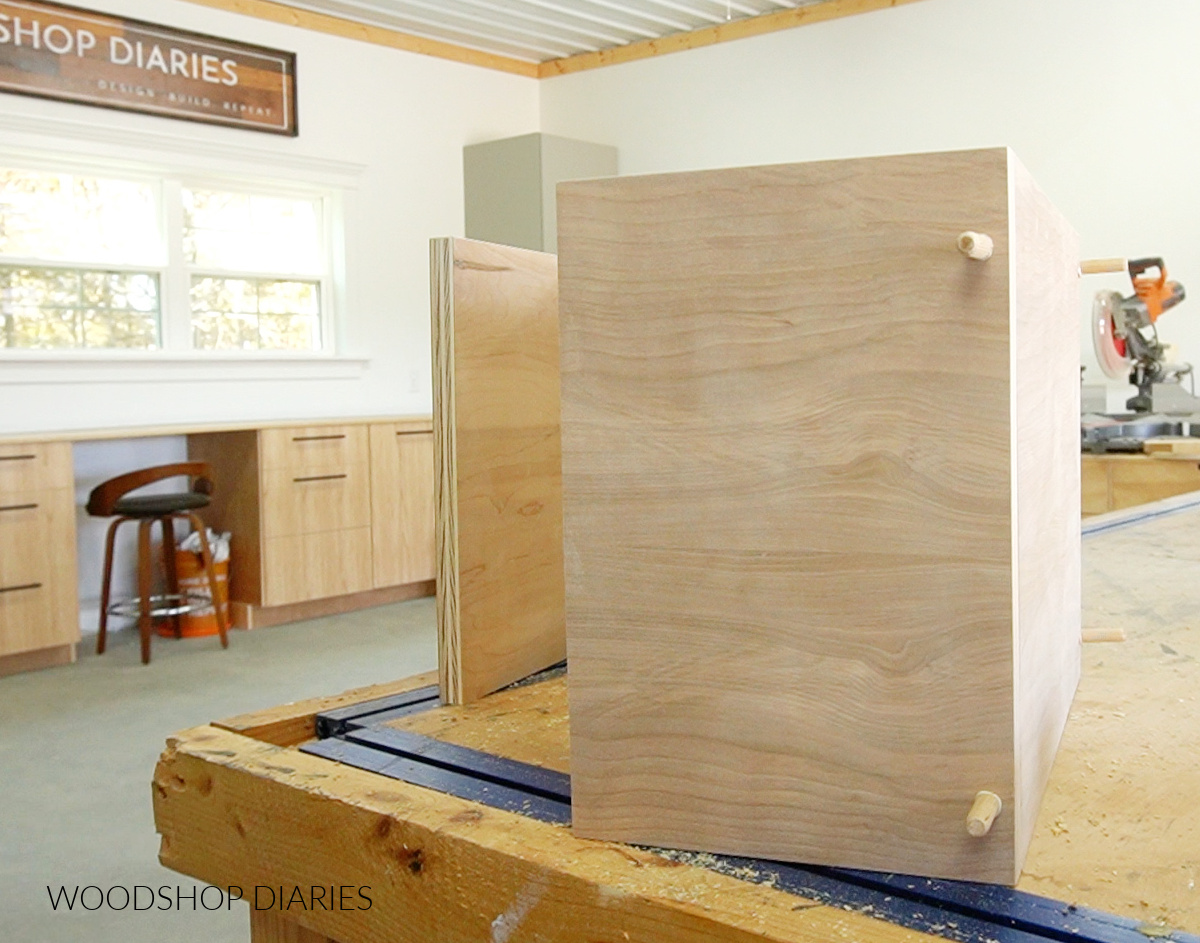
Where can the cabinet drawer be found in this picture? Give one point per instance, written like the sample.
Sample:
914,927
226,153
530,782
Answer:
25,540
314,500
314,566
27,618
402,518
312,448
35,466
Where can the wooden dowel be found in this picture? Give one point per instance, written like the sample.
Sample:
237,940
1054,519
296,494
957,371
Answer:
1100,266
975,245
983,813
1109,634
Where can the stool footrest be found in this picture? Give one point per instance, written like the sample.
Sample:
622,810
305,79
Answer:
161,605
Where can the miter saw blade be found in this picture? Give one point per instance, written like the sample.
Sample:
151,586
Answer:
1106,336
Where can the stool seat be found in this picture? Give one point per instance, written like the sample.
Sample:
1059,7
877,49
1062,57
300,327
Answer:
156,505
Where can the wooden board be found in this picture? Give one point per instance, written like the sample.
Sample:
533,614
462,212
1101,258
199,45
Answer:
233,810
290,724
498,489
1116,482
1183,445
802,600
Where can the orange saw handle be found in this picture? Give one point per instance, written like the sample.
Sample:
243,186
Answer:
1156,292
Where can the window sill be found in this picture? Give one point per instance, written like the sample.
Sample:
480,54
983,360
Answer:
69,366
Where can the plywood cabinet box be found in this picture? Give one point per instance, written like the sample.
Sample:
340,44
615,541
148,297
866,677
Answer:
821,508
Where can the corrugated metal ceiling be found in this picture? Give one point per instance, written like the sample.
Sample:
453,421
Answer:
539,30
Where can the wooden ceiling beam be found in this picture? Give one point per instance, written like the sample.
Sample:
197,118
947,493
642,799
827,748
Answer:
711,35
377,35
277,12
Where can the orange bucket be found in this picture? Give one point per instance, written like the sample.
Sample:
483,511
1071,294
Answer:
189,567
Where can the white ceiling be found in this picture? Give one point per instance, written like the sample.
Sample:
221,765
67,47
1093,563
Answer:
537,30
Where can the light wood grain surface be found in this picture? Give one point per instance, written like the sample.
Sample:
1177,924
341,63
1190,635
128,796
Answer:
233,810
790,510
402,514
1116,481
498,491
39,601
1045,454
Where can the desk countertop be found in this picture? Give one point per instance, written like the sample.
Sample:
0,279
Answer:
420,423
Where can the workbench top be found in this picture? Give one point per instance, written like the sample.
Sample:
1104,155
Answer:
1119,831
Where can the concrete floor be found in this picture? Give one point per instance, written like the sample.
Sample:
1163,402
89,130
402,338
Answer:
78,746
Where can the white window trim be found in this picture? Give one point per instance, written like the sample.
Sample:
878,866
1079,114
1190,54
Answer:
183,160
157,366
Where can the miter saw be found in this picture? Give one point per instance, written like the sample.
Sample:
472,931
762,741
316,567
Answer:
1127,344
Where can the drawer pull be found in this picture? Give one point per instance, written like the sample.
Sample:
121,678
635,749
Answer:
19,507
14,589
17,458
317,438
319,478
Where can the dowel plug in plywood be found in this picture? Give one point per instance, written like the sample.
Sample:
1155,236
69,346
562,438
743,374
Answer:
975,245
983,813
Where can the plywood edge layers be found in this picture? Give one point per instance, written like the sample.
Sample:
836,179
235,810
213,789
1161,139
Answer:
1019,845
711,35
445,469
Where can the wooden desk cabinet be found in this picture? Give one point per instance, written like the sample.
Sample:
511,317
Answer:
39,622
326,517
321,512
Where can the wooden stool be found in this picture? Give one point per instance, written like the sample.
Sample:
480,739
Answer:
110,498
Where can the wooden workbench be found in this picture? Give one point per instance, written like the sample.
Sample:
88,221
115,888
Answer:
237,803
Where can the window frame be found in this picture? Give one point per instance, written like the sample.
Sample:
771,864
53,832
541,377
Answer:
175,274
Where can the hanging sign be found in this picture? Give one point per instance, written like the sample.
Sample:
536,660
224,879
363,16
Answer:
56,51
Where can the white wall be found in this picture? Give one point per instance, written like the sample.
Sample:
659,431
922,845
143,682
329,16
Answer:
391,123
1099,98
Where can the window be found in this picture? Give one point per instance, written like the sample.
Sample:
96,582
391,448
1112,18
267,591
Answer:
79,260
255,264
92,262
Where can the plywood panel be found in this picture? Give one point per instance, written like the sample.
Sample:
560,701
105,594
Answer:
402,516
497,465
1046,462
790,515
